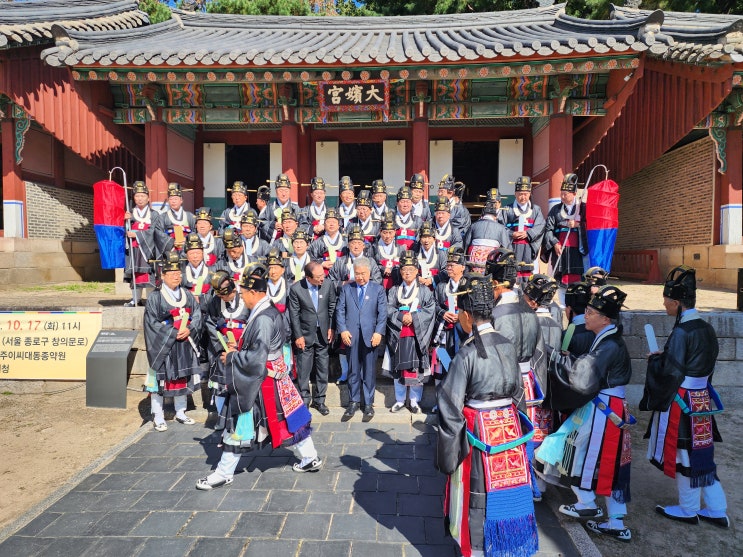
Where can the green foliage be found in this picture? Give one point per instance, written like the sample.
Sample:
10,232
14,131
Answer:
589,9
464,6
401,7
259,7
423,7
157,11
601,9
349,8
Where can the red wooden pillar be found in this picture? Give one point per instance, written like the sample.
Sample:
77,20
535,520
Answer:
14,191
198,172
306,165
290,155
420,147
156,160
421,150
561,152
729,206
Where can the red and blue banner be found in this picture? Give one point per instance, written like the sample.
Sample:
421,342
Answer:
109,201
602,222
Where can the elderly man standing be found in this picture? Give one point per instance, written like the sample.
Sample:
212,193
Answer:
679,391
525,223
361,319
311,307
591,451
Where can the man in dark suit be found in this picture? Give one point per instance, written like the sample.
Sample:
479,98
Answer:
361,318
311,308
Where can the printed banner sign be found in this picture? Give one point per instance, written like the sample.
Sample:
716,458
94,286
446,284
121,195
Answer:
50,345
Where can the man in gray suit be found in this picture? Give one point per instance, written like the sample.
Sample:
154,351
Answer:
361,318
311,309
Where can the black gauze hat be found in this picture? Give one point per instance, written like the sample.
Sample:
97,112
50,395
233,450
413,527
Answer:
523,183
501,266
231,239
218,280
608,300
456,255
596,276
681,283
264,193
171,261
577,295
569,183
541,289
475,293
255,277
193,241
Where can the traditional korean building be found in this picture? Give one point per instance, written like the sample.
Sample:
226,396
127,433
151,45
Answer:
206,99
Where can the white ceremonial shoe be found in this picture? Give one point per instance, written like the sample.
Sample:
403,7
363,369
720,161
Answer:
204,485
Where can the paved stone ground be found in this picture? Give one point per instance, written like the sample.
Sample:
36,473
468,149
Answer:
378,494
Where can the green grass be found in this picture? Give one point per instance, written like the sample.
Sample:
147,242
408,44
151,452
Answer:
79,287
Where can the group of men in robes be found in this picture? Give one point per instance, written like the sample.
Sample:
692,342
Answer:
577,384
521,402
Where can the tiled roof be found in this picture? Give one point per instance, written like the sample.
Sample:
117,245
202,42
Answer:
215,39
697,36
26,23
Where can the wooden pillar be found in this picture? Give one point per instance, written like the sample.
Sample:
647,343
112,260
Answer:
306,169
14,191
198,172
156,161
420,148
420,134
290,155
729,204
561,153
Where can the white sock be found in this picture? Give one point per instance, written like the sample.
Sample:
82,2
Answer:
156,404
180,404
305,450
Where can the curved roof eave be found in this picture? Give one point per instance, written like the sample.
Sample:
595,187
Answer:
190,39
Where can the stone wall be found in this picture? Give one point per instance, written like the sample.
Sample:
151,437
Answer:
59,213
729,368
30,261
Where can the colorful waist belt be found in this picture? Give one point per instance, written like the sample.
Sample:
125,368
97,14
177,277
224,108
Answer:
714,397
495,449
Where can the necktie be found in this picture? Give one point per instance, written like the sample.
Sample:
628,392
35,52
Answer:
313,293
361,295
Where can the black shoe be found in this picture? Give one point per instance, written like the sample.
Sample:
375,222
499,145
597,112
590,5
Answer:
368,414
350,411
320,407
621,534
720,522
342,382
572,511
685,519
312,466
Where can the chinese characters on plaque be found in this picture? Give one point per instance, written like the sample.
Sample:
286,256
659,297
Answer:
355,95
